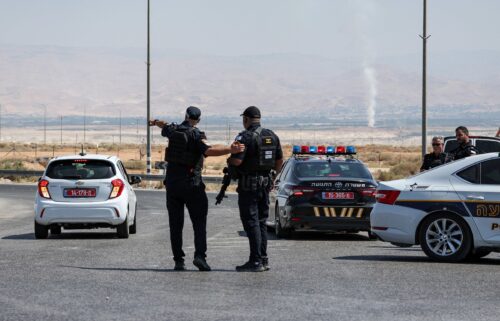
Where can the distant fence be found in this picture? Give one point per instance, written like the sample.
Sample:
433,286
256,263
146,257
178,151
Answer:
158,178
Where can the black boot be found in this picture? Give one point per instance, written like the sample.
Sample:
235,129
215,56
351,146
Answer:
265,263
250,267
179,266
201,264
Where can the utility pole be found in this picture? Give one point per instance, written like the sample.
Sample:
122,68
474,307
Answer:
120,131
44,124
0,122
424,82
61,117
84,125
137,130
148,115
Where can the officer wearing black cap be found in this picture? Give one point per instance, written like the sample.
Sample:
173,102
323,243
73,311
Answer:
185,154
255,164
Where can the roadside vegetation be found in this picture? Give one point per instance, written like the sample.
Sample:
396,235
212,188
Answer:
385,162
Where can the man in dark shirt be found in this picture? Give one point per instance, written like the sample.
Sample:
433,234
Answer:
437,157
262,155
187,148
465,147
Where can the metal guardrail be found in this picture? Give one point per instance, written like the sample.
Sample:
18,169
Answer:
157,178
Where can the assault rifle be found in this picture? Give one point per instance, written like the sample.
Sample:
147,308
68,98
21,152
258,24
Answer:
229,175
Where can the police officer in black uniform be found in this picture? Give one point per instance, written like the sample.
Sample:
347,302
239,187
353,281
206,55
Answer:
465,147
257,165
185,154
437,157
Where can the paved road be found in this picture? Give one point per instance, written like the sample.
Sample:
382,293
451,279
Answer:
95,276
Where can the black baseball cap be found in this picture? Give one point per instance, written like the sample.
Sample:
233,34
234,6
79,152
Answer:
193,113
251,112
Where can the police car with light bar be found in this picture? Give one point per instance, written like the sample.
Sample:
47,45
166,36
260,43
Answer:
452,211
322,188
85,191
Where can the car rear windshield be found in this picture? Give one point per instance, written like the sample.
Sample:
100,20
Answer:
80,169
332,169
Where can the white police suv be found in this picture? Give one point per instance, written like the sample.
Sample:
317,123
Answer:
85,191
452,211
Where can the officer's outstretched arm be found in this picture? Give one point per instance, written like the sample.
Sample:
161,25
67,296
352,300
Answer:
156,122
219,150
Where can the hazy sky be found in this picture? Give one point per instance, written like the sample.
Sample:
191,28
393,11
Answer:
332,28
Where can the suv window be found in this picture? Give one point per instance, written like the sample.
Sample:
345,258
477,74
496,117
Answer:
487,146
450,145
483,144
332,169
470,174
80,169
490,172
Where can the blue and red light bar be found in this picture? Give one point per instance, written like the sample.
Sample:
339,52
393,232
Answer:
323,150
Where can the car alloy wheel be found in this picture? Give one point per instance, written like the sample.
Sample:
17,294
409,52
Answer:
445,237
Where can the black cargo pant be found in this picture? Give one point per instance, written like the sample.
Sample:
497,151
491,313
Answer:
254,211
195,199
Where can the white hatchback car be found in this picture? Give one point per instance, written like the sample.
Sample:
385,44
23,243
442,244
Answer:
452,211
85,191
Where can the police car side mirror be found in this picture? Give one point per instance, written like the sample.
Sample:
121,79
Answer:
135,179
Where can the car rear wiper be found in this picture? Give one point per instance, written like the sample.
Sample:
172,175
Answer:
72,177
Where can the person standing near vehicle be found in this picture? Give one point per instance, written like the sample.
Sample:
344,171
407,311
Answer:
187,148
262,155
436,157
465,147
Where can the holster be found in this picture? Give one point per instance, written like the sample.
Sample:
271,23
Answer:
253,183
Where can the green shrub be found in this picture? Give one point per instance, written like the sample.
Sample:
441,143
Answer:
12,164
135,164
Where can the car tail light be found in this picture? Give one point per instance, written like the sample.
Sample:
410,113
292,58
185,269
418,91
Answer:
387,197
43,188
302,190
368,192
117,190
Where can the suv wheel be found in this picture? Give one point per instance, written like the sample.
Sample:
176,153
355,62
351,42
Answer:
41,231
55,230
122,229
445,237
133,228
278,229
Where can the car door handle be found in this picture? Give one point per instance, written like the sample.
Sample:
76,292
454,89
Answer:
475,197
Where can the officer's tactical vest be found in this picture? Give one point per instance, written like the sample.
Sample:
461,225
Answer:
266,147
179,151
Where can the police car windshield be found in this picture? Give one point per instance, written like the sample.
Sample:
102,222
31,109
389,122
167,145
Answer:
80,169
332,169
